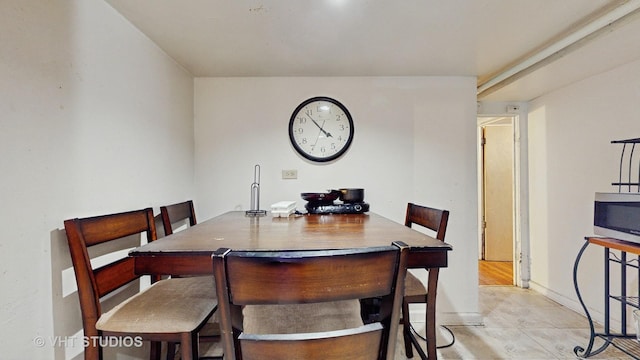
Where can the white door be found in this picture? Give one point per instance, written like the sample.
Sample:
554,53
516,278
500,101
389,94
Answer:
498,192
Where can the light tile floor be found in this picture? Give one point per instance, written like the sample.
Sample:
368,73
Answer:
518,324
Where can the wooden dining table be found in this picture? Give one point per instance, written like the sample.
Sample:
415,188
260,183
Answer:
189,252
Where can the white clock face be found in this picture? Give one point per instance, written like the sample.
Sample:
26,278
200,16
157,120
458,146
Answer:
321,129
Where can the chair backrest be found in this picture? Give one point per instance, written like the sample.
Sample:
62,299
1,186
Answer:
305,277
171,214
96,282
430,218
159,226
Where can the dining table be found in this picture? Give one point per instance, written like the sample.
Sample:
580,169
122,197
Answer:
189,252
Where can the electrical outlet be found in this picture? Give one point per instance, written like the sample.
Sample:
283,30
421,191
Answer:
290,174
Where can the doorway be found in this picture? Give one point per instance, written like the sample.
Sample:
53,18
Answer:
497,253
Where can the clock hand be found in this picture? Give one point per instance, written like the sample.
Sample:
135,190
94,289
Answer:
316,143
320,127
327,134
317,137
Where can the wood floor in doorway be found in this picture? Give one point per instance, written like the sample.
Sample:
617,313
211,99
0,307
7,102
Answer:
495,272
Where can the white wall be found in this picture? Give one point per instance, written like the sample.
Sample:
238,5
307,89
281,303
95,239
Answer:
571,158
414,141
94,118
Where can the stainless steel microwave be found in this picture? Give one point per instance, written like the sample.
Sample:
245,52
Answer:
617,215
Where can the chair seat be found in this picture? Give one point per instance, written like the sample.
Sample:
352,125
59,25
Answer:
302,318
174,305
413,286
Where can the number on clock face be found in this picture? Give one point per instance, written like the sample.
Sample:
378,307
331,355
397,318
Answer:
321,129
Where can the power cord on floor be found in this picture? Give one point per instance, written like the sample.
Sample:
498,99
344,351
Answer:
453,337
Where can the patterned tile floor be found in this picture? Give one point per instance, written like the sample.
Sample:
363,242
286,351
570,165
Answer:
518,324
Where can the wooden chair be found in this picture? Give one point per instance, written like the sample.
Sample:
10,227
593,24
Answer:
159,226
415,292
171,310
172,214
290,286
210,333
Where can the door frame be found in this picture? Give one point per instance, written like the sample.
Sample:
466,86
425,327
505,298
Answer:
505,123
521,269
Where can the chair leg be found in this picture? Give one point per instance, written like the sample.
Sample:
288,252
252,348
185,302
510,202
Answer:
155,352
171,350
411,341
93,350
189,346
406,328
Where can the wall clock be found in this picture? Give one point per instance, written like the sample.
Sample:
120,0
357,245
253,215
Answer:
321,129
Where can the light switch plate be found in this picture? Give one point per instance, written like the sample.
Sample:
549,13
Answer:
290,174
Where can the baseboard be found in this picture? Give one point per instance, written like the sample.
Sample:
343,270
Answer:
467,319
570,303
450,318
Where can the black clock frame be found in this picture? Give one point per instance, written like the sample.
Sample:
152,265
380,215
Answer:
300,150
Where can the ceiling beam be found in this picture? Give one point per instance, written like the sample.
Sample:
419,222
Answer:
560,47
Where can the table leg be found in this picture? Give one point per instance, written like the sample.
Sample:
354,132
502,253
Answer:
432,287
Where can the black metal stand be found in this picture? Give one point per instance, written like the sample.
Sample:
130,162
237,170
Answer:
629,183
621,340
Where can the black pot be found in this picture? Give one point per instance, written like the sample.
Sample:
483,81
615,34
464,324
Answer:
321,198
352,195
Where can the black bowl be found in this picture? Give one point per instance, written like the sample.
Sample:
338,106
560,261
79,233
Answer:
322,198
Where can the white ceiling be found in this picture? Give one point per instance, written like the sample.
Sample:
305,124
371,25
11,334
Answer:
384,38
